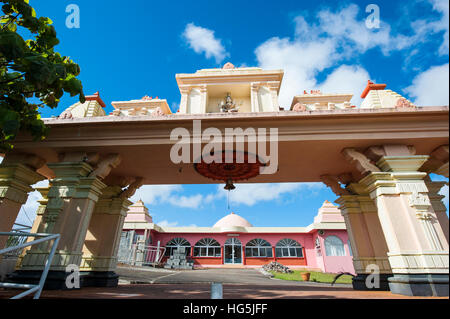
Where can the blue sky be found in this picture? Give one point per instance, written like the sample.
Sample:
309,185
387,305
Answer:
130,49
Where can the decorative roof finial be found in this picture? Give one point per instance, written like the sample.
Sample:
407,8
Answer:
372,86
96,97
228,66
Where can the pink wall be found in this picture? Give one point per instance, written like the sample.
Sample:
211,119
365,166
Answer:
330,264
305,240
336,264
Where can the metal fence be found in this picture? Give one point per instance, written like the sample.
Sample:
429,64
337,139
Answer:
36,289
140,254
17,240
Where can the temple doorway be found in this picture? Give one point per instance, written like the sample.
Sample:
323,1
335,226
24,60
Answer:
233,251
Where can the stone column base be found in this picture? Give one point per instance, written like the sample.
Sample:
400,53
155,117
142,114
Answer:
419,284
359,282
56,279
99,279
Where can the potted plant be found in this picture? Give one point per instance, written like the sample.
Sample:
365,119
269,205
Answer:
305,276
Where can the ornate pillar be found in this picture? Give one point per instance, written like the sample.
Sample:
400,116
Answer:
71,200
184,99
438,206
418,249
204,96
17,174
103,236
366,238
273,86
254,97
416,240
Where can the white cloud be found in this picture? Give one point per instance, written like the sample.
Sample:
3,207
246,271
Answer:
166,223
430,87
202,40
167,194
351,34
194,201
154,194
316,47
346,79
337,37
301,62
442,6
251,194
424,28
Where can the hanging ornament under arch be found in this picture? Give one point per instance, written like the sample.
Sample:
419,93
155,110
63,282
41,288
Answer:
241,166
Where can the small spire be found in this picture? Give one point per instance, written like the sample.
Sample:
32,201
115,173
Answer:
95,97
372,86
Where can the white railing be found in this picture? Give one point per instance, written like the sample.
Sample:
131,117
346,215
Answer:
142,255
17,240
36,289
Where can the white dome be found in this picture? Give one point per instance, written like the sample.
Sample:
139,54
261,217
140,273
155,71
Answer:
232,220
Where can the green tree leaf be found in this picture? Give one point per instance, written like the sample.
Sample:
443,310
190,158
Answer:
30,69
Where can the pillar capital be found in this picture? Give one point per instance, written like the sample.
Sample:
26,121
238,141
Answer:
89,188
16,181
387,183
111,202
410,163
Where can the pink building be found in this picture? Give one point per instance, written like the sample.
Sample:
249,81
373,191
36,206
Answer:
233,241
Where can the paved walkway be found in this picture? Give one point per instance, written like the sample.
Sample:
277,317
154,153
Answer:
133,275
237,284
202,291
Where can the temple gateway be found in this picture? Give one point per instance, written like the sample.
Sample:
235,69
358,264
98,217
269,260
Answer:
377,158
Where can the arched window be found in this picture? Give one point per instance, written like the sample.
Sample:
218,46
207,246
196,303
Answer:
177,243
349,248
258,248
207,247
288,248
334,246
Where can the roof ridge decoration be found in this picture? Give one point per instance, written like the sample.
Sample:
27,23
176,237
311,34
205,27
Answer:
315,100
228,66
145,106
376,96
96,97
92,107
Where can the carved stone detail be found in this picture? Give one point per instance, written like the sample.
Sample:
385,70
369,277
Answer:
362,163
157,112
438,161
419,201
333,183
106,165
298,107
418,187
131,189
66,115
404,103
